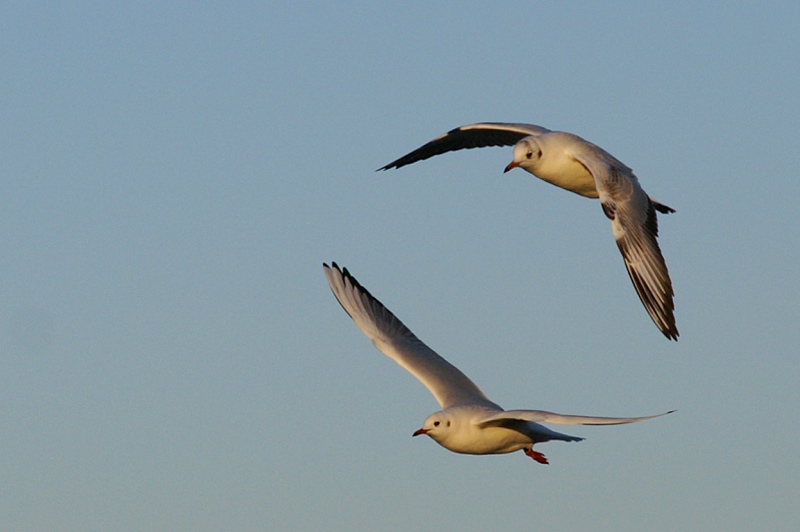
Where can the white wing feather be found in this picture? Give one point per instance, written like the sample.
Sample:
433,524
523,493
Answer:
540,416
448,385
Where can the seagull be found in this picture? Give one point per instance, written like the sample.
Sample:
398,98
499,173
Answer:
469,423
572,163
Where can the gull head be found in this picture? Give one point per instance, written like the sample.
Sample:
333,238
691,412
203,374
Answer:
527,153
436,426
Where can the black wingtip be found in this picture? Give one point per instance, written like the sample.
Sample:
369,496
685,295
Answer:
354,282
394,165
346,274
336,267
672,331
663,209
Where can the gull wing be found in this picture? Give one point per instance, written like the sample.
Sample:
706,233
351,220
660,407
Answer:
635,226
470,136
540,416
448,385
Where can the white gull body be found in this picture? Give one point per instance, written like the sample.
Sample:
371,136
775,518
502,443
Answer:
574,164
469,422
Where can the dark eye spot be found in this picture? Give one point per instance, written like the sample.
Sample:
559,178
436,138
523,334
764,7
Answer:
435,423
448,423
529,154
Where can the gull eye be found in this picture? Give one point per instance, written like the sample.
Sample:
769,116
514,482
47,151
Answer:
448,423
529,154
435,423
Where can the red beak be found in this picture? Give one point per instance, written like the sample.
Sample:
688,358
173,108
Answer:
511,166
420,431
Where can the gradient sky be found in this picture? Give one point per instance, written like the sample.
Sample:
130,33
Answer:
175,174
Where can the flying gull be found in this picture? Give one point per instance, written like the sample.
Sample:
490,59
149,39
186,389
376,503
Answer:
469,423
574,164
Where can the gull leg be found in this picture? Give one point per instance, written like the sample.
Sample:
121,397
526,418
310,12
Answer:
539,457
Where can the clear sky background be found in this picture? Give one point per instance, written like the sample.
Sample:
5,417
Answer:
175,174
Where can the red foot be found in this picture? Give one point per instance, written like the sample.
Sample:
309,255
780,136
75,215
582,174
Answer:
539,457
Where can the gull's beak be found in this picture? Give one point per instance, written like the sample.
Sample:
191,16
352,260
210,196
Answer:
420,431
511,166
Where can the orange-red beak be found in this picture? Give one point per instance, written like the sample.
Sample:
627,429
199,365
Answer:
511,166
420,431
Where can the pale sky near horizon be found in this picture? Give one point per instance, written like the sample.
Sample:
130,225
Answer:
175,174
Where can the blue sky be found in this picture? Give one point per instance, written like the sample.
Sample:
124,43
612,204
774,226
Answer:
174,176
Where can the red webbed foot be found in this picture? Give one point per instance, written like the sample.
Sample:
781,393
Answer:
539,457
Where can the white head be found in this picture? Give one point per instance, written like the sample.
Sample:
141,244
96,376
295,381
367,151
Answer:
527,153
437,426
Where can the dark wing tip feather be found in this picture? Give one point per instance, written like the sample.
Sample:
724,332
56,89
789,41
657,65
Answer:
369,298
347,275
459,139
660,207
335,266
661,310
660,306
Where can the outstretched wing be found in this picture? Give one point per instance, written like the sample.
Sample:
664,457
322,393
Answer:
471,136
635,226
448,385
540,416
